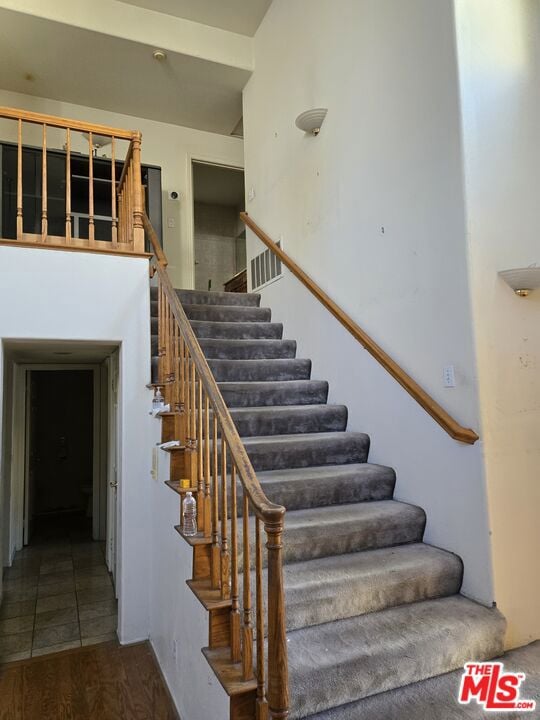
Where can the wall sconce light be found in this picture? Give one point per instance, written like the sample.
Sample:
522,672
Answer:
310,121
522,280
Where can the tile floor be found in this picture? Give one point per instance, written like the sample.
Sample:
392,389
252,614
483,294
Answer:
58,593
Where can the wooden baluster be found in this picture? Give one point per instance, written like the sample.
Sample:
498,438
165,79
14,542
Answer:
69,230
207,485
121,223
235,608
138,227
247,626
225,559
161,370
44,221
278,673
91,232
215,561
19,182
129,197
193,428
183,433
114,223
200,450
261,704
187,375
176,357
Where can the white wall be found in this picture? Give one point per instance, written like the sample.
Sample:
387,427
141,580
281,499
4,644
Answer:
388,156
179,623
169,146
498,44
56,295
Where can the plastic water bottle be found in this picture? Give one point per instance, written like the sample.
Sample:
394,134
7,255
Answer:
189,515
157,401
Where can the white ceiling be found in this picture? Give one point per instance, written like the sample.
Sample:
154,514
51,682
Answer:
218,185
88,68
239,16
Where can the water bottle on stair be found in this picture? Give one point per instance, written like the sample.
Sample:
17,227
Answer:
189,515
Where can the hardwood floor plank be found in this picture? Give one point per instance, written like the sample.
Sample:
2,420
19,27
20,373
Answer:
11,681
100,682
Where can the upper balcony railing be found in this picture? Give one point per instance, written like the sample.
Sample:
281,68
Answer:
45,215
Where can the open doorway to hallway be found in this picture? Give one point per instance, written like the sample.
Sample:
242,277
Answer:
59,590
219,236
61,454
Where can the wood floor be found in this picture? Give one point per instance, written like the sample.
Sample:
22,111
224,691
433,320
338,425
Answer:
100,682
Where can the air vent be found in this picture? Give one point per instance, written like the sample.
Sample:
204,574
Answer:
265,268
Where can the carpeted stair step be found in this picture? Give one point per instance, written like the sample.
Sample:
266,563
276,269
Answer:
337,529
289,419
203,297
435,698
260,370
259,394
237,330
319,486
275,452
228,313
333,588
248,349
341,662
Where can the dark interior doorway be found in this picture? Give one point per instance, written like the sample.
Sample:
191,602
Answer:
60,452
219,235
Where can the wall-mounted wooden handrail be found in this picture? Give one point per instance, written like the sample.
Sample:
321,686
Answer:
431,406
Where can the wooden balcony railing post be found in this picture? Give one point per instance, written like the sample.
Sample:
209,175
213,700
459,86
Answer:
207,515
68,186
19,182
91,231
44,222
278,689
114,222
200,457
138,227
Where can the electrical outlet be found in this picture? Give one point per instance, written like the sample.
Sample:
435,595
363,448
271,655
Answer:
449,376
171,222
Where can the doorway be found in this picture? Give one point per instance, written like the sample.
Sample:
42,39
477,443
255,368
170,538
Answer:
219,235
60,453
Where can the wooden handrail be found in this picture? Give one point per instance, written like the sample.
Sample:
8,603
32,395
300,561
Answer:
53,121
190,386
431,406
154,241
265,509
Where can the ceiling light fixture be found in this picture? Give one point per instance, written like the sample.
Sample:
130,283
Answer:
311,121
159,55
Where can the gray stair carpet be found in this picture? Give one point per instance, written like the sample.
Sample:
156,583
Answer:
373,613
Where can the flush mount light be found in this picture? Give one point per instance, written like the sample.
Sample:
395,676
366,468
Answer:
522,280
159,55
310,121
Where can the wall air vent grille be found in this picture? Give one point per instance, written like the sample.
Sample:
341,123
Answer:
265,268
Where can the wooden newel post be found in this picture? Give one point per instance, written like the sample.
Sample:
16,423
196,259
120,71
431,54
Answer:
278,673
138,225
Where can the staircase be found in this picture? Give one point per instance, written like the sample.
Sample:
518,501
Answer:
370,608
